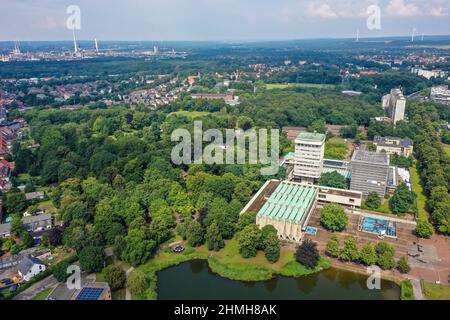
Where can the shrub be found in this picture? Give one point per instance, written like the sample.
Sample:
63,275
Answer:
424,229
373,200
403,265
59,271
385,255
333,217
407,290
368,256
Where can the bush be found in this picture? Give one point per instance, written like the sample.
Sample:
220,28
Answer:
92,259
403,265
424,229
115,276
307,254
136,282
332,248
333,217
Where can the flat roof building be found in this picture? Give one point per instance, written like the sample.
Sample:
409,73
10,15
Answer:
287,209
369,172
309,154
394,145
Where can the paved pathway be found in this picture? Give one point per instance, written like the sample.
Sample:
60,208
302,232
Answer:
127,292
417,288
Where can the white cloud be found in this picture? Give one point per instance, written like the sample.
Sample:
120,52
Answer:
400,8
321,10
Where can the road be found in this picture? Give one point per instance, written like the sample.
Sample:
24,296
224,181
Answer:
31,292
127,292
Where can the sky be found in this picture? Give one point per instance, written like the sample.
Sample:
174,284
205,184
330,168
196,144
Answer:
244,20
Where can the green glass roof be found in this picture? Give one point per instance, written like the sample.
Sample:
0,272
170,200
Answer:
290,201
310,136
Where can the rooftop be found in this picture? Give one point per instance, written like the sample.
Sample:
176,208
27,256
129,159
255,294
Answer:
393,142
310,136
290,201
371,157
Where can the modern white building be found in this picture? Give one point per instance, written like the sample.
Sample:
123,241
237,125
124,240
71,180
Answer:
394,104
440,94
309,154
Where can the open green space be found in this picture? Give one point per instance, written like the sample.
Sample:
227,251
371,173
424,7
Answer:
190,114
418,189
228,263
336,148
446,149
271,86
433,291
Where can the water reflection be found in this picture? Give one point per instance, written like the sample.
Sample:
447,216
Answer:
271,285
197,266
308,283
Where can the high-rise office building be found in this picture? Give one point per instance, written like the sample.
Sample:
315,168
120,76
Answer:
369,172
309,154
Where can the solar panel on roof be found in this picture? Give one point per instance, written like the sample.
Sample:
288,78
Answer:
90,294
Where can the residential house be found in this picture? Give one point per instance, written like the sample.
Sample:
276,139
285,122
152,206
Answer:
30,267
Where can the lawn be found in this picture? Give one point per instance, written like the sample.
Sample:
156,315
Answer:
407,290
418,189
271,86
434,291
43,295
190,114
336,148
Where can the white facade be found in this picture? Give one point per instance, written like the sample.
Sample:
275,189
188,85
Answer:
309,155
394,104
33,271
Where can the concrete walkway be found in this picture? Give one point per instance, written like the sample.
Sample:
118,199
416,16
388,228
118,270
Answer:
417,288
127,292
35,289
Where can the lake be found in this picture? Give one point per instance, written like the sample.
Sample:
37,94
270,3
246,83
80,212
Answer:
194,280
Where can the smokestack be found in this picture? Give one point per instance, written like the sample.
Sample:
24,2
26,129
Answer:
96,45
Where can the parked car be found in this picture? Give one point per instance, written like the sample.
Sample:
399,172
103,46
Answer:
6,281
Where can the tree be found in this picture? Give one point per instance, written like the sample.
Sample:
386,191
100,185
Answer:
424,229
192,231
272,247
333,217
15,202
368,256
137,248
17,225
55,236
332,248
245,219
27,239
92,259
350,250
333,180
403,265
248,241
307,254
373,200
402,200
136,282
213,238
115,276
59,271
385,255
